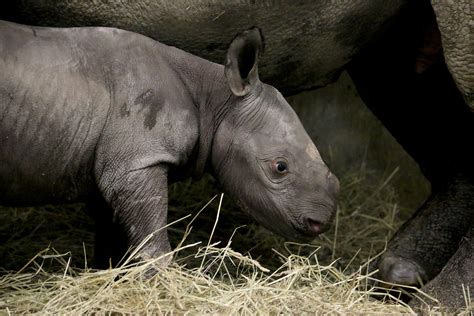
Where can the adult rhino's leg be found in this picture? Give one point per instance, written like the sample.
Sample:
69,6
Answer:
455,282
421,247
426,113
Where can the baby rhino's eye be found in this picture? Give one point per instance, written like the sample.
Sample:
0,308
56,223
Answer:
280,166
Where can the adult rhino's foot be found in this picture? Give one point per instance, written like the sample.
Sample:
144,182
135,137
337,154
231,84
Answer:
423,245
394,269
454,283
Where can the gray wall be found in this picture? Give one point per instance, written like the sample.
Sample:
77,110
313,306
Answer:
351,138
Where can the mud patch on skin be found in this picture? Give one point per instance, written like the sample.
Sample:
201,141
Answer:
124,111
144,97
150,102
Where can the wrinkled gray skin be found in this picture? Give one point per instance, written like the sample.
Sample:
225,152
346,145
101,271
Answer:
459,272
427,247
455,20
309,43
90,112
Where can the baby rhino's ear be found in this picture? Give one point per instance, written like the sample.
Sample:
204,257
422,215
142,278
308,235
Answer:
241,65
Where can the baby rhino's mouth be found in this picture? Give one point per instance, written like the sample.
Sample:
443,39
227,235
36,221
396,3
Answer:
305,229
316,223
315,227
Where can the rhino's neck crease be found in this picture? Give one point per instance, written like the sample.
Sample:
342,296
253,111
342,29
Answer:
207,85
214,100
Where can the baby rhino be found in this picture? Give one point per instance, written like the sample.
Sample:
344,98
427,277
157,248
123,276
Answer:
110,117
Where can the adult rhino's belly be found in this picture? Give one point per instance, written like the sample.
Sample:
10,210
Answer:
308,43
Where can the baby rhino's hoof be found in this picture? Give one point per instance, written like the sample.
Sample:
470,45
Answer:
401,271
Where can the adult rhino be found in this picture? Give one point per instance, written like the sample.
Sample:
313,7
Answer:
393,52
110,117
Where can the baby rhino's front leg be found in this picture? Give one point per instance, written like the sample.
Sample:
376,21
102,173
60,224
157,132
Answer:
139,199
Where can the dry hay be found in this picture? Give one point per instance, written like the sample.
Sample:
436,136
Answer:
218,267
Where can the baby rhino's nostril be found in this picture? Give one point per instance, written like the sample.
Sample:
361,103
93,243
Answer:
314,226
